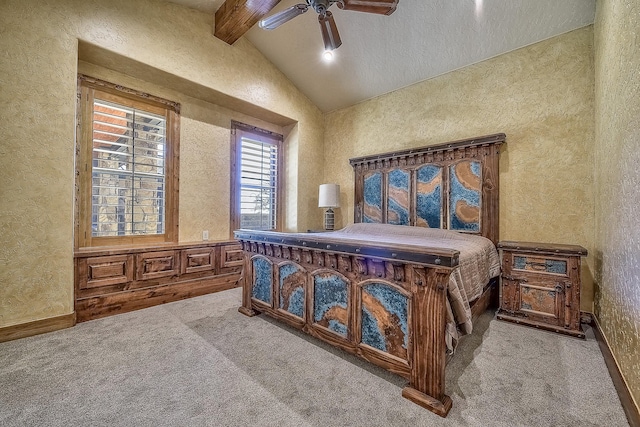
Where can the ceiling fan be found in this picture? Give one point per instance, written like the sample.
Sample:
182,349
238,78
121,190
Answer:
328,27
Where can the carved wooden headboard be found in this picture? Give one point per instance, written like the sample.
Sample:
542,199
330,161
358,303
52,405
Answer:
452,186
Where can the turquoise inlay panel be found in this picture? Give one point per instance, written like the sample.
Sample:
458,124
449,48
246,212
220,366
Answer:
292,279
370,333
372,198
429,196
398,197
556,266
464,199
262,285
550,265
296,303
330,302
519,262
338,327
385,319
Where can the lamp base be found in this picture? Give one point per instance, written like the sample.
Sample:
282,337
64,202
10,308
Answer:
328,219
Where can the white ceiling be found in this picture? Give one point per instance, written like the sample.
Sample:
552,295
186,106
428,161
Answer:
420,40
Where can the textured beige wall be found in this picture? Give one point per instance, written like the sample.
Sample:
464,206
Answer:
541,96
39,45
617,151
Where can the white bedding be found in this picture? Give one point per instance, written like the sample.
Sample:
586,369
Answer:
479,262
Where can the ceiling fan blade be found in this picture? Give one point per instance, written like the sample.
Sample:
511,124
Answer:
277,19
329,30
382,7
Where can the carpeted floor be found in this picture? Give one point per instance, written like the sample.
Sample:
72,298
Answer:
199,362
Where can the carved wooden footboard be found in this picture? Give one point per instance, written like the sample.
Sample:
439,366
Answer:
385,305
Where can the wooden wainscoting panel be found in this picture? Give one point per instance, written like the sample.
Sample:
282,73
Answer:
152,265
105,270
24,330
119,279
231,259
197,259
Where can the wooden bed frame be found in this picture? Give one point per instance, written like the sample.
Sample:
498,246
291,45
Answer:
383,303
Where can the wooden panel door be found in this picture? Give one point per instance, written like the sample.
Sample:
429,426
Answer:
538,300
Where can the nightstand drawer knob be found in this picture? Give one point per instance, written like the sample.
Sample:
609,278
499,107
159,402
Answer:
537,266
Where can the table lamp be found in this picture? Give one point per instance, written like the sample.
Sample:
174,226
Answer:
329,197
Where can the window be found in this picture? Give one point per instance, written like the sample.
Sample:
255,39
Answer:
256,181
127,166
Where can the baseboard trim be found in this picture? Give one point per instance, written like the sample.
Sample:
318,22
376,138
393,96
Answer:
37,327
629,405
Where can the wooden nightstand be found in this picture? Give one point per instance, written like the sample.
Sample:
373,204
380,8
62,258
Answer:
540,285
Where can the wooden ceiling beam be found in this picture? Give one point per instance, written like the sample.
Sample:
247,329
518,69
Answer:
236,17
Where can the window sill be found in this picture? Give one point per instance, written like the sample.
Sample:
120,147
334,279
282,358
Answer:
132,249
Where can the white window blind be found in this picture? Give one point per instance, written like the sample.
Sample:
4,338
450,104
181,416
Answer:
258,184
128,171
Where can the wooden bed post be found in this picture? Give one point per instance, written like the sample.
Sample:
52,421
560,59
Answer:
426,387
247,284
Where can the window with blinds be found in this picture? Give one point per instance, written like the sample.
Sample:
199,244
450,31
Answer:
128,171
126,167
255,190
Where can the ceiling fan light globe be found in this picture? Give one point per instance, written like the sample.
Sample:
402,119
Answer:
327,55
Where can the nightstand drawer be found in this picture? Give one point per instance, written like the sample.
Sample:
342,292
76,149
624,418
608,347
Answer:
537,264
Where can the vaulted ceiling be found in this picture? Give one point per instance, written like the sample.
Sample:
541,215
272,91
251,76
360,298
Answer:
380,54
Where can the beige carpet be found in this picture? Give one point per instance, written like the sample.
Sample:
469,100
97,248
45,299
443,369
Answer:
199,362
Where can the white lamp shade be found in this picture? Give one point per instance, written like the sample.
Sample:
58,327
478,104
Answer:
329,196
